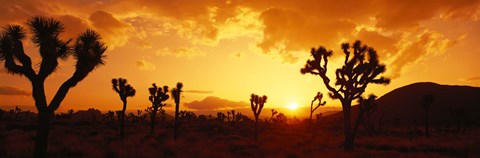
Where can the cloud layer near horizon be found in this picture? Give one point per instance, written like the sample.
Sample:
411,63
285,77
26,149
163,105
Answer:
284,29
215,103
9,90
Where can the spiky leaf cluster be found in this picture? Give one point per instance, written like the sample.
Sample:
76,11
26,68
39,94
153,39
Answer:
257,103
123,89
158,95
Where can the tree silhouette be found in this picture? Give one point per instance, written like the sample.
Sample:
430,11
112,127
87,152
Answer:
318,97
352,78
274,112
221,116
157,97
70,113
257,103
124,90
364,105
426,102
87,50
233,116
176,92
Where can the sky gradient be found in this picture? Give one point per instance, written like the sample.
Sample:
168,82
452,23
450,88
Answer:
225,50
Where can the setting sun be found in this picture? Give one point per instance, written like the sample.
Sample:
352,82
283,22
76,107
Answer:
292,106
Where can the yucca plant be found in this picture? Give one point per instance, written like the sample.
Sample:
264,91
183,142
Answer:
157,97
176,94
257,103
124,90
87,50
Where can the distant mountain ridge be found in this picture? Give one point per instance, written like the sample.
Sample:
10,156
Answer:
402,105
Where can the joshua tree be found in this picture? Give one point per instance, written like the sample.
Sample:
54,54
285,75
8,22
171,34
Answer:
274,112
17,112
87,50
369,110
157,97
364,105
257,103
228,116
70,113
281,118
361,68
459,115
124,90
426,102
176,92
233,116
221,116
318,97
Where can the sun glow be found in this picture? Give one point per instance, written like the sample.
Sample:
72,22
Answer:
292,106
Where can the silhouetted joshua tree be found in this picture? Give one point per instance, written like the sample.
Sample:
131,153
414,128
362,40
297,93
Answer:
274,112
318,97
87,50
70,113
459,115
364,105
257,103
221,116
124,90
157,97
233,116
361,68
426,102
176,92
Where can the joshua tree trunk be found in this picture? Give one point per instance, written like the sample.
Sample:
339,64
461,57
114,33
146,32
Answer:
176,122
122,119
43,130
256,129
347,126
311,113
153,118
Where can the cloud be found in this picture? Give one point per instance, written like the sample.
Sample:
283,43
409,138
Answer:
73,26
114,31
185,52
471,79
215,103
145,65
8,90
283,29
418,48
198,91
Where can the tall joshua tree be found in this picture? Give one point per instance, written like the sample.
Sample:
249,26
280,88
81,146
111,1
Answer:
157,97
176,93
257,103
361,68
318,97
87,50
124,90
426,102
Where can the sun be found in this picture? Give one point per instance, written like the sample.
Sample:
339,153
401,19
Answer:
292,106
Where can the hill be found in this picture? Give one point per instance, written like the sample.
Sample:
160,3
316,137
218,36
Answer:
402,105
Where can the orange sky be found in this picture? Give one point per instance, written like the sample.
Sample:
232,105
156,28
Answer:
230,49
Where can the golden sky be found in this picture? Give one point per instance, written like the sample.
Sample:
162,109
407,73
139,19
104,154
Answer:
225,50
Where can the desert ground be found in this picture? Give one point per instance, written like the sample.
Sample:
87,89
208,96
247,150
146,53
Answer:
214,138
